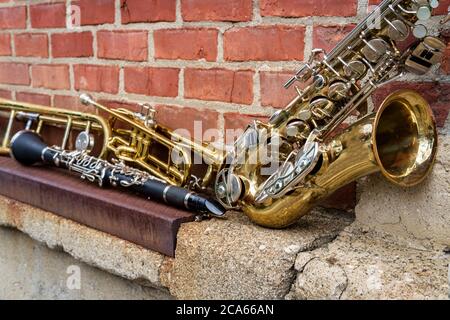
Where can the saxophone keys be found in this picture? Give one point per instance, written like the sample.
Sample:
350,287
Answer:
397,30
338,90
298,130
375,49
434,3
420,31
355,69
322,108
423,13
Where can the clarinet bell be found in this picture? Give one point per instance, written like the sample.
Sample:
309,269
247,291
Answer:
27,147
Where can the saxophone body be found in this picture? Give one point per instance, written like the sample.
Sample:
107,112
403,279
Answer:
399,140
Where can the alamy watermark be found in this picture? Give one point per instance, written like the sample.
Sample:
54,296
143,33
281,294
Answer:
73,281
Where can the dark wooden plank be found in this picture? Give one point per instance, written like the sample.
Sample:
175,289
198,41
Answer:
127,216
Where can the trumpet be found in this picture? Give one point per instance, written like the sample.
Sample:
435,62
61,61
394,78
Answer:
75,129
139,141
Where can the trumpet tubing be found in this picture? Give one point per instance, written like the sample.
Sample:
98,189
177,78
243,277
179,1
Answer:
141,142
16,116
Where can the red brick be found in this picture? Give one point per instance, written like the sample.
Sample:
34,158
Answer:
235,120
326,37
6,94
305,8
443,8
235,124
31,45
216,10
219,85
74,44
48,15
13,18
437,94
72,103
96,78
267,43
147,11
5,44
186,44
273,93
14,73
184,118
124,45
152,81
50,76
94,12
36,98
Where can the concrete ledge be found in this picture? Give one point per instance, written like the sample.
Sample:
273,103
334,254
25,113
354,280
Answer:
363,264
422,212
93,247
235,259
323,256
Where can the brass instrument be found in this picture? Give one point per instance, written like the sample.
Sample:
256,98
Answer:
400,141
279,170
139,141
16,116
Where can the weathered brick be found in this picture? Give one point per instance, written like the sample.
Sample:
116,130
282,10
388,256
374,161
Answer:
152,81
235,120
305,8
72,44
31,45
437,94
72,103
184,118
269,43
326,37
443,8
273,94
14,73
94,12
48,15
96,78
50,76
147,11
13,18
36,98
6,94
5,44
219,85
186,44
124,45
216,10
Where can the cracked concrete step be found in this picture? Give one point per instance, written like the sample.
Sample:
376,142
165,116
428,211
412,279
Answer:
235,259
370,265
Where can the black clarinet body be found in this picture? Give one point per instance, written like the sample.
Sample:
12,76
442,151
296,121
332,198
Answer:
28,148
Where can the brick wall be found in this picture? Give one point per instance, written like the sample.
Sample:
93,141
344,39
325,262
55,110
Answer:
220,61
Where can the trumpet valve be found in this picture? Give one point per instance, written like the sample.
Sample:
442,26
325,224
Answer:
148,113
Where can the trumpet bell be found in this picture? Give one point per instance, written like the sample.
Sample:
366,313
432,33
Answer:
405,138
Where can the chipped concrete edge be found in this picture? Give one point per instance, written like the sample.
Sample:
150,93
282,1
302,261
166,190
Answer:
93,247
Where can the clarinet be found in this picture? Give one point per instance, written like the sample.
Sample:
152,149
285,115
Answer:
28,148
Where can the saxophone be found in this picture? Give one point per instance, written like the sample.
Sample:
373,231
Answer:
278,171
